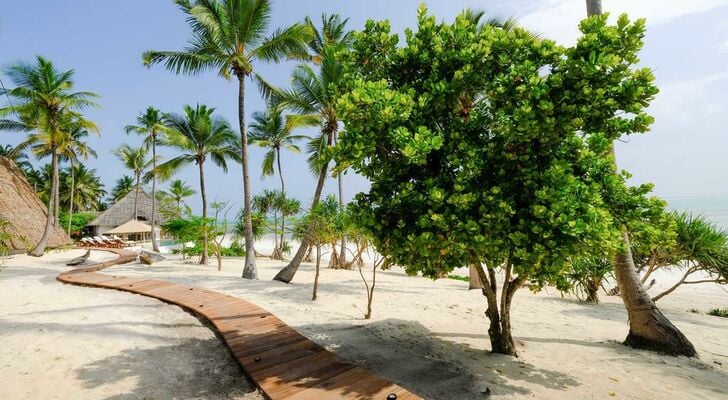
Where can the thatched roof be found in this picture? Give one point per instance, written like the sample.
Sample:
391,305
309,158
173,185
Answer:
123,210
20,206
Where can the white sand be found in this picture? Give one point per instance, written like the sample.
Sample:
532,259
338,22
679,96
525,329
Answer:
430,336
68,342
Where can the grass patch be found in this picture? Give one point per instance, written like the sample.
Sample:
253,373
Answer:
459,278
719,312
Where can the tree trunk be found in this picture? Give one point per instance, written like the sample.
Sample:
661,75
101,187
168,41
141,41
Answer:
316,277
155,247
39,248
286,274
70,206
592,290
56,195
250,270
499,331
204,256
474,282
283,211
675,286
136,196
340,178
648,328
309,255
219,261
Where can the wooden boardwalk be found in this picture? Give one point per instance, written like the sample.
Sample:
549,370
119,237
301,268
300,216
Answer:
283,363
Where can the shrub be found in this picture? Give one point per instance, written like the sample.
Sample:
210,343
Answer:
719,312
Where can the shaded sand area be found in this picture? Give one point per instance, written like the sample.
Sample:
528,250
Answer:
429,336
67,342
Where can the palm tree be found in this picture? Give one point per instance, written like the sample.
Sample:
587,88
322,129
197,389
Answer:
178,191
85,190
648,327
18,157
311,99
43,103
149,124
123,187
136,161
198,135
229,36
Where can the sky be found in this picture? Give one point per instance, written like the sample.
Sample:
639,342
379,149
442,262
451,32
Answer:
685,154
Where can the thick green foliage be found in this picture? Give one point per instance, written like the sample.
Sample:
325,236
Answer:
78,222
488,145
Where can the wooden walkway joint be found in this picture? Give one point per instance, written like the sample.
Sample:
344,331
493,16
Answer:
283,363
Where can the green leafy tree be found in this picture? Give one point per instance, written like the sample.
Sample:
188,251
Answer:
229,37
80,190
171,201
150,125
77,222
43,103
136,160
520,183
197,135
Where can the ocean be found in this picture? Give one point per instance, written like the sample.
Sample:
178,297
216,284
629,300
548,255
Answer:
714,208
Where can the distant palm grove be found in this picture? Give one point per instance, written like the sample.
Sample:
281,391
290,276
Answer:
487,147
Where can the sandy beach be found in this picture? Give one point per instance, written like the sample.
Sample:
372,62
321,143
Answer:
429,336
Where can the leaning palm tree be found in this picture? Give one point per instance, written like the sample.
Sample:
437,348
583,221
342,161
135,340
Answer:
198,135
123,187
648,327
178,191
150,125
43,103
135,160
311,100
229,36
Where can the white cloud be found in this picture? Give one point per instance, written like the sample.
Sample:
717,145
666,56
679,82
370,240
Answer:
691,100
724,47
558,19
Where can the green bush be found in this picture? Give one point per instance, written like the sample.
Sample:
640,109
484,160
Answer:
719,312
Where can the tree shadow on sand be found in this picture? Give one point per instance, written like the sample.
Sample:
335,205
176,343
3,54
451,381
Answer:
191,369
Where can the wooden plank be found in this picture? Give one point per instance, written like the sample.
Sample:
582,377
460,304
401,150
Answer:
282,362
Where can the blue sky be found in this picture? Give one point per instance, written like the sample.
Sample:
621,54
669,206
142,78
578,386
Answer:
686,45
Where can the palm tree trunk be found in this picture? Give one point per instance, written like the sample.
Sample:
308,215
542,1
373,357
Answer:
136,196
283,211
250,271
56,195
203,257
342,256
40,247
286,274
70,206
155,247
648,327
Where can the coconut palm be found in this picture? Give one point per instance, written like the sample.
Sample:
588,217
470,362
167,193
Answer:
123,187
178,191
198,135
229,36
311,101
43,103
136,160
270,132
87,188
648,327
19,158
150,125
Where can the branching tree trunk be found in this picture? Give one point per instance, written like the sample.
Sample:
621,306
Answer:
474,281
499,332
370,289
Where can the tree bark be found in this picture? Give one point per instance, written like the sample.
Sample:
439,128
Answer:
70,201
286,274
250,270
340,178
499,330
155,247
56,195
204,256
283,211
136,196
316,277
648,327
675,286
39,248
474,282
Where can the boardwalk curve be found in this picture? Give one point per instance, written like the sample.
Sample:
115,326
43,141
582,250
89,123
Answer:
283,363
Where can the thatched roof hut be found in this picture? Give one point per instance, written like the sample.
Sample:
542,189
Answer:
21,207
123,211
